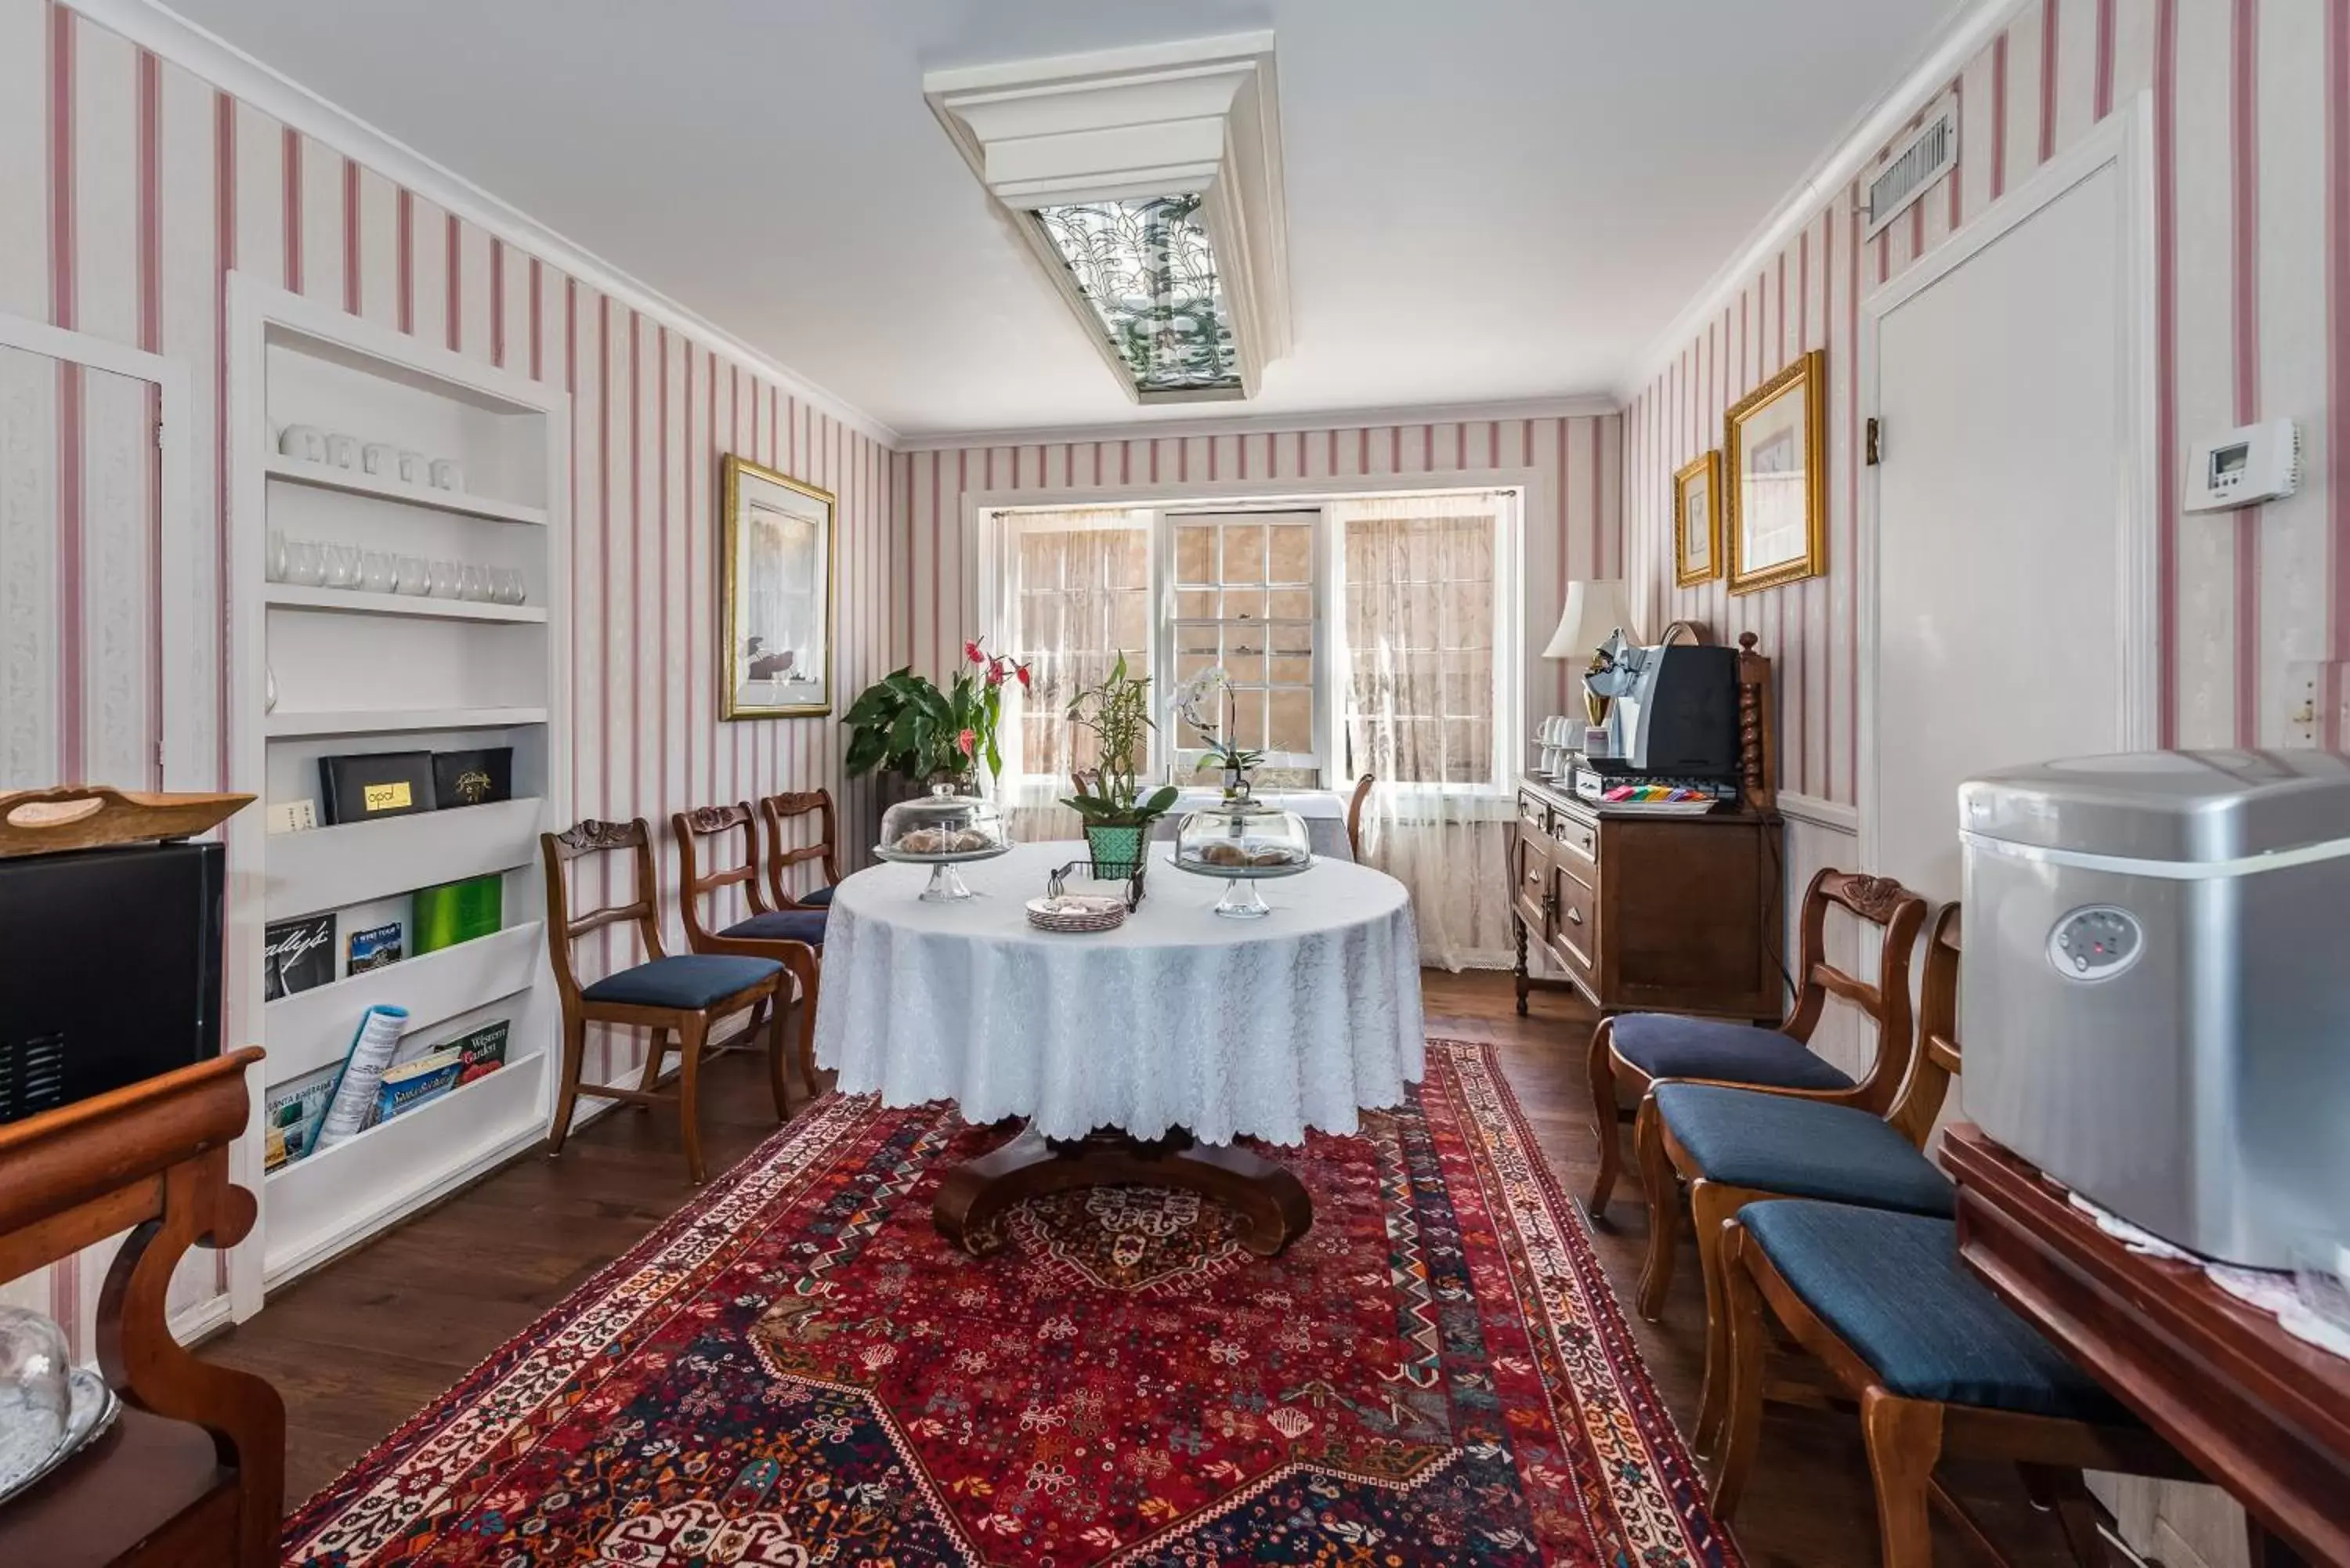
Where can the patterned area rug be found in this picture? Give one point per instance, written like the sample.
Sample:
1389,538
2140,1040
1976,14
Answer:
796,1370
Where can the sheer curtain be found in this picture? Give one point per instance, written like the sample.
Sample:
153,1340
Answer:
1078,583
1417,692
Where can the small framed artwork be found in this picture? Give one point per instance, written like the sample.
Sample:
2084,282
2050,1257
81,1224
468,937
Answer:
1775,501
1697,521
776,554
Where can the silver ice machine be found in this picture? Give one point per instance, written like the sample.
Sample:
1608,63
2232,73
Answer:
2156,992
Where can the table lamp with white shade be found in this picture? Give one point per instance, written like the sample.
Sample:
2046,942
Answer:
1596,611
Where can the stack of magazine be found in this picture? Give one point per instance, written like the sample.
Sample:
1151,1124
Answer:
381,1076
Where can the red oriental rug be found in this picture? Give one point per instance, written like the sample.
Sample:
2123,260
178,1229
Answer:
798,1370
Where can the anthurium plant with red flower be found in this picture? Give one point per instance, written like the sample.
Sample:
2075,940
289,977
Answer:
903,723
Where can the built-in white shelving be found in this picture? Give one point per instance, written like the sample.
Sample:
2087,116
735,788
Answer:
358,481
322,672
353,601
283,725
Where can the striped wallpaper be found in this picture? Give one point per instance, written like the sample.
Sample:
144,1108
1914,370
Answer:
129,189
1573,522
2252,110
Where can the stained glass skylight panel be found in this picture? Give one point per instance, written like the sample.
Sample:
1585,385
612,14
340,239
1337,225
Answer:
1148,272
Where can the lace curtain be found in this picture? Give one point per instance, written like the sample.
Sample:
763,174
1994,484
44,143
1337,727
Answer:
1081,595
1417,706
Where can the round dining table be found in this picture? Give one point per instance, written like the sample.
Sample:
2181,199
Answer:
1139,1055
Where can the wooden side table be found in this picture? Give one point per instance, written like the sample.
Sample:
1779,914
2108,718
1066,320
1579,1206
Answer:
2261,1413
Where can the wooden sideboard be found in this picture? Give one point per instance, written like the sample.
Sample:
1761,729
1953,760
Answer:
1649,913
2259,1412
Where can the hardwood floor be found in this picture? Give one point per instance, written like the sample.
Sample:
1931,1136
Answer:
362,1344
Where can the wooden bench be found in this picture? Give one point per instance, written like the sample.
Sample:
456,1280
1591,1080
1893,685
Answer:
193,1470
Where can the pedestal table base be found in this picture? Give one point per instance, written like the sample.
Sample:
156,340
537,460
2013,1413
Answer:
1273,1204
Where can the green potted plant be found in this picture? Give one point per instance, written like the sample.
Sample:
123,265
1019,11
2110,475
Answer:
905,724
1118,815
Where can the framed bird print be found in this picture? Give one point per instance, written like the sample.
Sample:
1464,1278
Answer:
1697,521
775,625
1775,503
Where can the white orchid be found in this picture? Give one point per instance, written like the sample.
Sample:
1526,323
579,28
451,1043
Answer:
1198,695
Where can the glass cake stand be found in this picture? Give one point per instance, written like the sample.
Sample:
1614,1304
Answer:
1244,841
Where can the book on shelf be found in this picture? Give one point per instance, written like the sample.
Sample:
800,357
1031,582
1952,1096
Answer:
374,948
296,955
482,1052
413,1083
458,911
290,1113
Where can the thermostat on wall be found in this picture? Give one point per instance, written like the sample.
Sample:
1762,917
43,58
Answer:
2258,463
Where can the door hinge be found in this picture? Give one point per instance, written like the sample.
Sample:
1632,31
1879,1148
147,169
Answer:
1875,451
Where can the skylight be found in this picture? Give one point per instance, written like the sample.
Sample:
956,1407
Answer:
1149,271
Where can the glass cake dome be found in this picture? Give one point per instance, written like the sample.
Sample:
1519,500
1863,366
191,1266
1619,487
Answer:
34,1398
1243,840
941,830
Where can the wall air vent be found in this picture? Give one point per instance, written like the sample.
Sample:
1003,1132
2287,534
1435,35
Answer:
1915,165
32,1075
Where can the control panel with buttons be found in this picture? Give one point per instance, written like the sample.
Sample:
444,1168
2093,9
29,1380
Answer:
2096,943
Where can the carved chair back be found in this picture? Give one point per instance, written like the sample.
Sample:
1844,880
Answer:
694,883
594,838
153,1157
1354,815
1897,913
1936,1061
780,809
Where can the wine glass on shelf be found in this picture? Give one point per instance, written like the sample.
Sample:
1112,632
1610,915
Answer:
375,572
506,585
476,584
445,579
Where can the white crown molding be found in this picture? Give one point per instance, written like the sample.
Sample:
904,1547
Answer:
1972,26
167,34
1266,424
1198,116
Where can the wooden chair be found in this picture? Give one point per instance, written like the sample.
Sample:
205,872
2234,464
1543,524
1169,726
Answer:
681,996
792,936
1937,1364
1734,1147
1354,816
1631,1050
779,809
193,1470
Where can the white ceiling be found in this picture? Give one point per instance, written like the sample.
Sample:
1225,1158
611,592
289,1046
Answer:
1489,200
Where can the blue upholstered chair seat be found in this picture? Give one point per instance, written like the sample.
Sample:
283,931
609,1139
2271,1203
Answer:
685,980
1667,1045
818,900
786,925
1892,1287
1800,1148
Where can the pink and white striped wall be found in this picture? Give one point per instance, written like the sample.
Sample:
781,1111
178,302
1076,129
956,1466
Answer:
1573,509
129,187
2251,111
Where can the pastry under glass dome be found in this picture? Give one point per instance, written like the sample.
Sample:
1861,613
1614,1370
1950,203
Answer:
943,829
1243,840
34,1396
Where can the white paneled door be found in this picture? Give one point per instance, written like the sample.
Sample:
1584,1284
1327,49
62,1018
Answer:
81,637
2008,620
96,641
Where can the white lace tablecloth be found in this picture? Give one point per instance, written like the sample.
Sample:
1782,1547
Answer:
1179,1018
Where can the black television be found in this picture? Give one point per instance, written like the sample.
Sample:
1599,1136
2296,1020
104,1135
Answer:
109,969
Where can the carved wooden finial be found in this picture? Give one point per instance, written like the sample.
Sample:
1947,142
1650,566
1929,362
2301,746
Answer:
1747,639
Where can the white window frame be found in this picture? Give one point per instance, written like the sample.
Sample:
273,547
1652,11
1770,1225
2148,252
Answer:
1163,521
1000,591
1510,655
994,587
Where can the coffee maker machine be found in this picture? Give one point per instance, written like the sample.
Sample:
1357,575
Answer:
1672,721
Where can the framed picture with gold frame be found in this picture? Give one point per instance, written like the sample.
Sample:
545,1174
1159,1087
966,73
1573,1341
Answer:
1697,521
1775,501
777,551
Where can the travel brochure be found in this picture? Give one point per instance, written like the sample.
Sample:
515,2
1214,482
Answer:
380,1077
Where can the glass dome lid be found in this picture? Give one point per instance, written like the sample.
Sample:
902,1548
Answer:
35,1396
941,830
